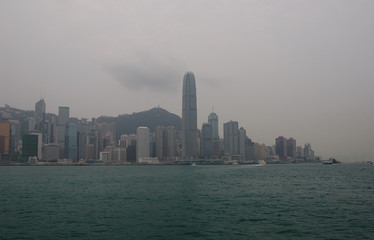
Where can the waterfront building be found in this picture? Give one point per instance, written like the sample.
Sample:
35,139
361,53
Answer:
242,138
15,136
89,152
216,147
50,152
291,148
249,149
32,145
82,140
281,147
142,143
213,120
71,143
308,152
165,142
260,151
5,134
62,120
119,155
110,151
231,138
189,117
206,140
92,139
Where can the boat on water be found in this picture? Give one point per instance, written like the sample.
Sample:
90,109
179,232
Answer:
262,163
330,161
193,165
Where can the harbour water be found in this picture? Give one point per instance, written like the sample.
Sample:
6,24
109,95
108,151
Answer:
308,201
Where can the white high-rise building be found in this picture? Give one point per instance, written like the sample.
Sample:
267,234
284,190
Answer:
142,143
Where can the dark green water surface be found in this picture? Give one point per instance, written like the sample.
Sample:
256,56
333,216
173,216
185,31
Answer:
308,201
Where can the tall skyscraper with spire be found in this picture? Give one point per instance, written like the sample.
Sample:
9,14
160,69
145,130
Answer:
189,116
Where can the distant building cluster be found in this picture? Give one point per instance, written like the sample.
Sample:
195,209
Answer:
62,139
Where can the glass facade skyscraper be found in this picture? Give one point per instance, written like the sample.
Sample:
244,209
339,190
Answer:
189,117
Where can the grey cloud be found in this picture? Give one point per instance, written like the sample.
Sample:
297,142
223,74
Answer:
147,75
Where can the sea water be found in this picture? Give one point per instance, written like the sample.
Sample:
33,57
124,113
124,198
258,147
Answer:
293,201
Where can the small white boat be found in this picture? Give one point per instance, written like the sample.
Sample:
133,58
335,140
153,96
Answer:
193,165
262,163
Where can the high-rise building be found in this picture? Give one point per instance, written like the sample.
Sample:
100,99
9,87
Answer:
308,152
213,120
39,115
206,140
5,133
71,143
242,138
165,142
231,138
189,117
82,140
50,152
62,120
32,145
291,148
281,147
142,143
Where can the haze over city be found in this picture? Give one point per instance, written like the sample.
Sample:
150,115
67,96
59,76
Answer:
301,69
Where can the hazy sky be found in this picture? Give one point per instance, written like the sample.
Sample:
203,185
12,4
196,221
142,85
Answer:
302,69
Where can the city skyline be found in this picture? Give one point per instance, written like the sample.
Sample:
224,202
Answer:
293,69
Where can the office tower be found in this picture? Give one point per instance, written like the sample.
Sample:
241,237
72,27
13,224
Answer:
39,115
119,155
249,149
206,140
189,117
159,130
63,115
63,118
216,147
71,142
165,142
32,145
50,152
308,152
142,143
110,151
242,138
299,152
15,136
89,152
31,124
281,147
213,120
124,141
260,153
291,148
5,133
82,140
231,138
170,142
93,139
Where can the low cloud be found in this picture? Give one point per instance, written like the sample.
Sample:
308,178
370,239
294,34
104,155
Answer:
149,74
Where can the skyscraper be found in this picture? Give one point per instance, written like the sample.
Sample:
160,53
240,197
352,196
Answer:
213,120
71,142
39,115
206,140
231,138
142,143
63,118
189,116
281,147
